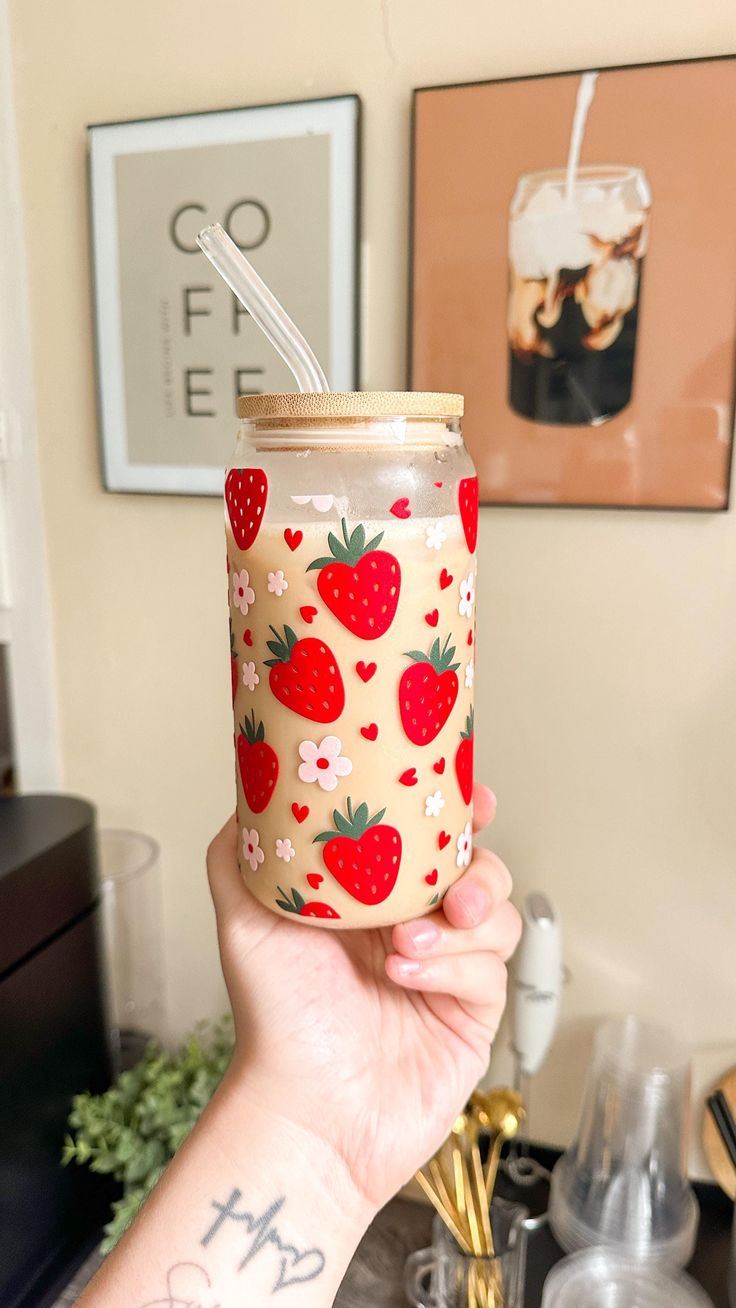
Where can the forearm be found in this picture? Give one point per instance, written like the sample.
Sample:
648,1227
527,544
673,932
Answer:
249,1209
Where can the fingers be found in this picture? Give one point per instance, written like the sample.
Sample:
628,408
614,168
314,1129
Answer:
430,937
486,884
484,806
477,980
226,883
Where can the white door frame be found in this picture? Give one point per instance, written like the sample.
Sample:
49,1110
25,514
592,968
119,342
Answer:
25,609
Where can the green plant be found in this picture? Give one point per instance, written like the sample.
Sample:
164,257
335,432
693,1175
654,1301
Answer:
133,1130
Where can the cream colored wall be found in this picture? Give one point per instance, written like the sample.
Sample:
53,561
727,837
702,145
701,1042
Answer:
607,701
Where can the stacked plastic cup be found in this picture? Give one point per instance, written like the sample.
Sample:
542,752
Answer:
603,1278
623,1183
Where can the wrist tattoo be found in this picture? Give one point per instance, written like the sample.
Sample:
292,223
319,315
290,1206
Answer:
187,1286
295,1266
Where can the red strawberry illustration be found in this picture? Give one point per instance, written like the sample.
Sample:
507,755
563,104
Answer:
464,760
233,662
362,854
305,677
296,903
467,493
427,692
359,583
258,764
246,492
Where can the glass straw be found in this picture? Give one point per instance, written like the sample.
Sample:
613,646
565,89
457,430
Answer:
264,308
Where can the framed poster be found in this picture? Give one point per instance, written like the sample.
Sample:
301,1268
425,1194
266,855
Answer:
174,346
574,274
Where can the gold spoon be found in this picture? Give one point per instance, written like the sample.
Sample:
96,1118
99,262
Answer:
500,1113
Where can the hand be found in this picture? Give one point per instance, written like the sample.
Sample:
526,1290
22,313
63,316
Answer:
369,1040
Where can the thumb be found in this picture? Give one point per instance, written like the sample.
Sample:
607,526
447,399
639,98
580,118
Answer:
226,883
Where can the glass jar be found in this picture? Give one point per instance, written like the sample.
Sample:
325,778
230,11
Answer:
445,1277
351,524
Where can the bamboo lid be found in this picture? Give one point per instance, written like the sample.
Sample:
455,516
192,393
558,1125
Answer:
352,404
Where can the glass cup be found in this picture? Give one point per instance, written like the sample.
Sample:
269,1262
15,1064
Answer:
130,893
575,269
351,524
623,1183
445,1277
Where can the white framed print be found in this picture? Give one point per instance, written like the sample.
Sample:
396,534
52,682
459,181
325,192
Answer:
174,347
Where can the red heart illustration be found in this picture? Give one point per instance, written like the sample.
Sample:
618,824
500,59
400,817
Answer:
439,766
409,778
443,839
315,879
300,811
432,618
365,670
446,579
293,538
309,613
439,484
370,732
431,877
470,637
248,636
400,508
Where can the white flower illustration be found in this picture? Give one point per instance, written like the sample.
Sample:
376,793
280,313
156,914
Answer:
322,503
250,676
435,536
324,762
434,804
464,846
467,596
252,851
277,583
469,674
285,850
243,593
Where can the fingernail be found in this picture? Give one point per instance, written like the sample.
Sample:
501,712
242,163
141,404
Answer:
423,935
407,967
474,900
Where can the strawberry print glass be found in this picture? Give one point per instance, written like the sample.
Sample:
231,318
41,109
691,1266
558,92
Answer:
352,523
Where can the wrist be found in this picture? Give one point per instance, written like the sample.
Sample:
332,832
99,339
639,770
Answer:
319,1179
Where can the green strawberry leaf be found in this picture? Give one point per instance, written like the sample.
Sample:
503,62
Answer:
361,815
373,544
376,818
299,900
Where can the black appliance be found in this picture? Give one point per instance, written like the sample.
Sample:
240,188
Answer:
53,1039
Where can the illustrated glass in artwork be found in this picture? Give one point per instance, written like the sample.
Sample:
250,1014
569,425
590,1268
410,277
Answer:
575,273
577,239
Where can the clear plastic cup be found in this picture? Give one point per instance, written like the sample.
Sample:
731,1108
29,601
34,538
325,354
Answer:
604,1278
623,1182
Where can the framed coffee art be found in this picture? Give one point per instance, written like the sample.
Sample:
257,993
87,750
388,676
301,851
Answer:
574,274
174,346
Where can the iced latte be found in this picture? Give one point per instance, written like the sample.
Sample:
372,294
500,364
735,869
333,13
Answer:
575,271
